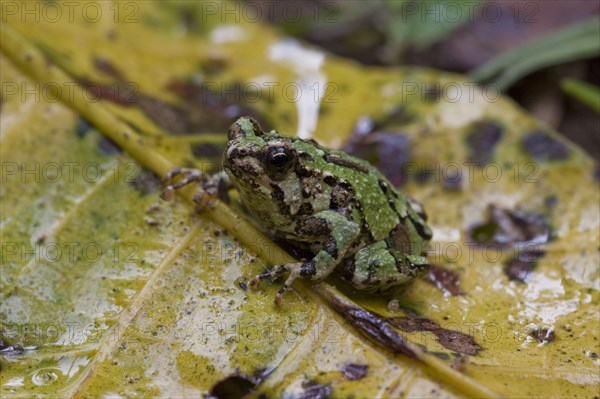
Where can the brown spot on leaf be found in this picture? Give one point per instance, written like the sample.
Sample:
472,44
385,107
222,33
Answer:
543,147
445,279
106,67
189,20
124,93
314,390
205,110
482,140
449,339
354,371
508,229
452,180
211,109
372,326
7,349
520,267
171,118
237,385
544,335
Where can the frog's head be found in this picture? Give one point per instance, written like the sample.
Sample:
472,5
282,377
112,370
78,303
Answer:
258,163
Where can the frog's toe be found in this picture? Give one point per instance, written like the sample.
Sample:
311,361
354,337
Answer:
279,296
294,269
189,175
254,283
276,272
168,193
272,274
204,199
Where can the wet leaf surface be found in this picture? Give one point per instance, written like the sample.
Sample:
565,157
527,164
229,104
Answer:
144,297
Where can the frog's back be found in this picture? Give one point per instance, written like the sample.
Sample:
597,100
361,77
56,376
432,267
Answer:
374,198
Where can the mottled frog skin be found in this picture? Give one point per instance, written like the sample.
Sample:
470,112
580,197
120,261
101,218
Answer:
338,207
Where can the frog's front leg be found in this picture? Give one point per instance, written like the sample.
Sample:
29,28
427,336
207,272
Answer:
190,175
377,267
211,186
342,233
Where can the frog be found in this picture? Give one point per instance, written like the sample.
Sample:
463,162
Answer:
337,208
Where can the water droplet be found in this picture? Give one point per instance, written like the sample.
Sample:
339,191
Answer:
45,376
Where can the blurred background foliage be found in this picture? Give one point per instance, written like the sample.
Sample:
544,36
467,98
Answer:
544,54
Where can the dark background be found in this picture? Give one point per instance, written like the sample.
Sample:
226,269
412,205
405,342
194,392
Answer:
367,32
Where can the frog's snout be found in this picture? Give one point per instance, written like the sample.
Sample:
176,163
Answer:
242,161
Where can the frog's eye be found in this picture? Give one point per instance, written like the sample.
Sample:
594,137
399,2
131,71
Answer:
279,160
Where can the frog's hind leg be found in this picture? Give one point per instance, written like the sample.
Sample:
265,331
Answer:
377,268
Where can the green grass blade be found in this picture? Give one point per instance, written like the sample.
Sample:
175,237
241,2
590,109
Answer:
582,91
567,42
588,47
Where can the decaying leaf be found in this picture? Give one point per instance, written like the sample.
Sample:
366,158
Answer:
111,291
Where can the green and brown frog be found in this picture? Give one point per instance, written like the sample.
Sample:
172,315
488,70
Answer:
339,208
